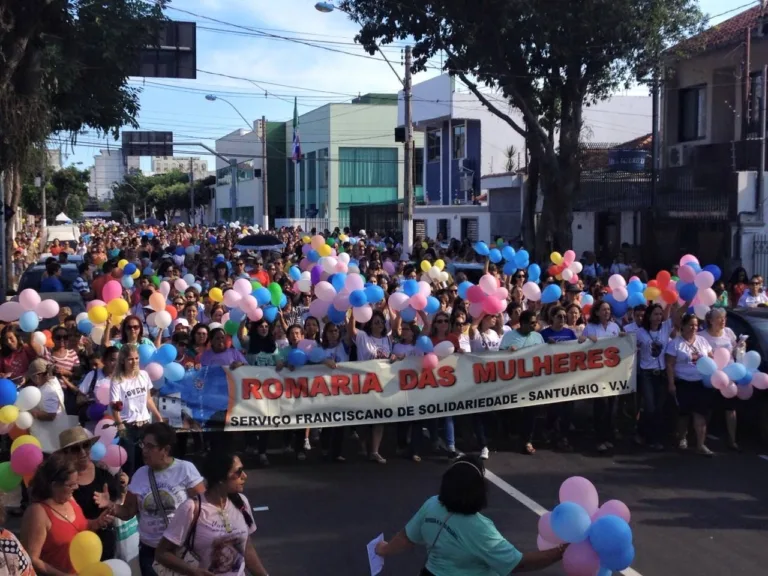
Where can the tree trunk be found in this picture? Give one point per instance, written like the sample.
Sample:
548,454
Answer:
529,207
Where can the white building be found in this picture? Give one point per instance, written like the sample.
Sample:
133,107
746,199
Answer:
165,164
107,169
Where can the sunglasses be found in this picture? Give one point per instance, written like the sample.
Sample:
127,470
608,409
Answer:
77,448
61,337
441,321
238,473
133,326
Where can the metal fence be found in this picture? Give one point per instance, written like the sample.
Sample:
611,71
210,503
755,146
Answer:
385,218
760,255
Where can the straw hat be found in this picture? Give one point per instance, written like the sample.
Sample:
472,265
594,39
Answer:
75,436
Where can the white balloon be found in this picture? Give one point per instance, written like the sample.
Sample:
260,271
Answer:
189,279
97,334
163,319
214,325
444,276
28,398
700,310
576,267
38,338
344,257
567,274
119,567
444,349
305,285
151,320
616,281
434,272
329,264
81,316
24,420
306,275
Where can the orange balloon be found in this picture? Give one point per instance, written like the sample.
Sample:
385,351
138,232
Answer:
49,343
586,310
28,479
172,311
15,432
653,284
553,271
157,302
669,296
663,278
48,334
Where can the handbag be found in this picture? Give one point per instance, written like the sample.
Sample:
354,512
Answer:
47,432
185,553
424,571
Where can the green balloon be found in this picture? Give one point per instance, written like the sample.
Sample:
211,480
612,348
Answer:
255,285
9,480
230,327
156,281
330,242
276,292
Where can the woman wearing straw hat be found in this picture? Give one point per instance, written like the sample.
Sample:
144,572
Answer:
76,444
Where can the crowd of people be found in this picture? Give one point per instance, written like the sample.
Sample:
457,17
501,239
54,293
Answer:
178,509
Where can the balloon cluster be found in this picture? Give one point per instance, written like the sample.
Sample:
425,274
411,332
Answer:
565,266
314,249
106,450
29,310
662,289
340,292
623,295
600,537
130,272
433,353
434,272
324,269
414,297
15,420
695,284
85,552
734,379
487,297
160,363
513,261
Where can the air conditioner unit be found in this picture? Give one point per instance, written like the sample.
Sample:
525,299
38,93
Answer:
678,155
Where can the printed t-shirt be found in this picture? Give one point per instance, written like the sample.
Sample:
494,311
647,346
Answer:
133,393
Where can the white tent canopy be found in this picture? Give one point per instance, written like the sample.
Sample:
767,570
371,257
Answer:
63,218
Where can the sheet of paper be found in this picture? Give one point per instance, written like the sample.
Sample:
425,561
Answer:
375,561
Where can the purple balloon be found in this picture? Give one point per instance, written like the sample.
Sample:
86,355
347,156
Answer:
96,412
317,274
580,491
581,560
306,248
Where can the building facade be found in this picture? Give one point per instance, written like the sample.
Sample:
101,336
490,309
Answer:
165,164
107,169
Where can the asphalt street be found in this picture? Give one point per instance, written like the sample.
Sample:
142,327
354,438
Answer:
690,515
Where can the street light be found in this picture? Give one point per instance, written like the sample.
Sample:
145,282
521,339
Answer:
327,7
213,98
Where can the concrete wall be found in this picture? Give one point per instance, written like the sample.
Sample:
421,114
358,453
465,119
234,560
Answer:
244,145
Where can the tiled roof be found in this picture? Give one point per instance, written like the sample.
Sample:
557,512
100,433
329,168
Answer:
726,33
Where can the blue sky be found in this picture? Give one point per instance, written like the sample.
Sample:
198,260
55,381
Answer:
314,75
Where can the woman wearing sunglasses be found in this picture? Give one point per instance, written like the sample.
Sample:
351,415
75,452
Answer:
216,525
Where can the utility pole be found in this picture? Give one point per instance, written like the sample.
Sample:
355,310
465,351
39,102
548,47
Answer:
264,189
3,245
233,189
191,192
746,79
43,222
408,158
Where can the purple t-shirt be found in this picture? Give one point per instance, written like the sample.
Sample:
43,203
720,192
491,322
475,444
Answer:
211,358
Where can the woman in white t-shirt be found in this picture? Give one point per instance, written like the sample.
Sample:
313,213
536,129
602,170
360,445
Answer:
131,402
685,384
218,524
485,333
373,342
156,491
600,326
40,374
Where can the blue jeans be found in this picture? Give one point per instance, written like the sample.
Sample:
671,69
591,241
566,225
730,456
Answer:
146,559
653,393
450,435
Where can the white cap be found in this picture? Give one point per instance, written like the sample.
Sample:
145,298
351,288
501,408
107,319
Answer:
180,322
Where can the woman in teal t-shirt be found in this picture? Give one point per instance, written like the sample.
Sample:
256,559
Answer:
459,540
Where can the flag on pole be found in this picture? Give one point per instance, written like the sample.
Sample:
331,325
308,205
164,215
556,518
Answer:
296,155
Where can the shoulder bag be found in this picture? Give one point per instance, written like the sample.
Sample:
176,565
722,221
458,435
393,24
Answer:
424,571
186,552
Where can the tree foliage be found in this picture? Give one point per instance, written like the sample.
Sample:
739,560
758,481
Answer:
66,190
165,194
547,58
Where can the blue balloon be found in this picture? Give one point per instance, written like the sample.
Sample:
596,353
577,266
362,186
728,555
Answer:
619,308
213,239
534,273
236,315
270,313
8,392
714,270
358,298
317,355
603,571
179,251
508,253
410,287
116,441
236,344
148,271
408,315
610,535
262,296
127,282
146,351
95,412
694,265
686,291
173,372
747,380
551,293
165,354
482,248
29,321
297,358
510,268
735,371
494,255
424,343
374,293
635,286
706,366
706,380
98,451
313,256
620,560
587,299
336,316
338,281
283,302
219,259
433,305
463,287
570,522
129,269
294,273
85,326
197,287
636,299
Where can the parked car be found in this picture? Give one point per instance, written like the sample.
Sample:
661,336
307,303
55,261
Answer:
33,275
71,258
71,300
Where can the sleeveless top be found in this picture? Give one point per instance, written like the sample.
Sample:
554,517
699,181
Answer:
56,546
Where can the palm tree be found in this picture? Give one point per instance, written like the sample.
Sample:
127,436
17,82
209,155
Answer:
511,162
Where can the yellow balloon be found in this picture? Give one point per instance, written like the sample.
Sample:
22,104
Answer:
424,245
136,274
117,320
343,237
98,314
216,294
26,439
556,258
100,569
84,551
118,307
440,264
122,264
8,414
306,239
425,266
651,293
324,250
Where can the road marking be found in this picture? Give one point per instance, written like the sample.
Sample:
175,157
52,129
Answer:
261,509
537,508
763,456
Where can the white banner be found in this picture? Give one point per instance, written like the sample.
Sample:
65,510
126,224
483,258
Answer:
377,392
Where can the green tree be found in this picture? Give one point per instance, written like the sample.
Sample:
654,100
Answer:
167,194
547,58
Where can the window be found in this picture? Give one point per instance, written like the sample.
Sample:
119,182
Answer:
443,229
372,167
223,176
469,229
692,114
322,156
418,167
755,101
459,139
433,145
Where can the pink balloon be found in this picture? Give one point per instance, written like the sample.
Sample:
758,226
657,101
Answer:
620,294
760,381
256,314
688,258
319,308
475,310
704,279
29,299
574,279
11,311
101,391
243,287
154,370
232,299
569,257
164,288
707,297
722,358
493,306
542,544
532,291
719,379
501,294
306,345
106,431
180,284
581,491
730,391
580,559
354,282
475,294
489,283
613,508
362,313
111,290
115,456
418,301
686,274
248,303
398,301
430,362
5,428
745,392
545,529
93,303
341,268
325,291
389,267
425,289
634,278
47,309
225,318
341,302
25,459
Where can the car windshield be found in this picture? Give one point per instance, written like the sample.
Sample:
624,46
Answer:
33,276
